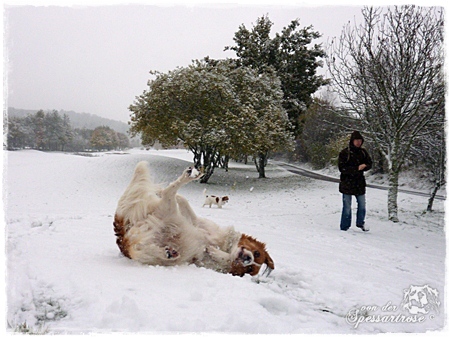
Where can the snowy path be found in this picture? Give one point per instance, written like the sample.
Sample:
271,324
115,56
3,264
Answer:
65,273
312,174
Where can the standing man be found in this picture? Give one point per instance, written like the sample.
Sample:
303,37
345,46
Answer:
353,161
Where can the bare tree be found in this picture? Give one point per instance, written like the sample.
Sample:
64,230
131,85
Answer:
389,72
429,152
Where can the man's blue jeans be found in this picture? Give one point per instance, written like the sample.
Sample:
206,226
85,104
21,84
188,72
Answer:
346,218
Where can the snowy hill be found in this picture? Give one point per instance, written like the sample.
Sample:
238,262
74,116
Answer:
65,273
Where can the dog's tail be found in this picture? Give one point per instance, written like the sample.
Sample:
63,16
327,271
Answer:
135,202
141,174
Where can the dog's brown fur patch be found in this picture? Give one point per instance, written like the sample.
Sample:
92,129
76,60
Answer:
120,229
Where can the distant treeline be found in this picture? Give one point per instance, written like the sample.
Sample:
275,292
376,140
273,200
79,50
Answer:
77,120
52,131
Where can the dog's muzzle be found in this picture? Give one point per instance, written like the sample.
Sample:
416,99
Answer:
245,257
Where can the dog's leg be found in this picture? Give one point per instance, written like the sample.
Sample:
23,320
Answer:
186,210
168,204
152,254
219,256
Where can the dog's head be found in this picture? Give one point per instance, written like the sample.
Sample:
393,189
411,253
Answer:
225,199
249,257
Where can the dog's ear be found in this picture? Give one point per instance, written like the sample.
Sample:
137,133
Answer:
269,261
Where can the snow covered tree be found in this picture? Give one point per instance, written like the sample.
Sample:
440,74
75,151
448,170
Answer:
46,131
389,72
58,132
104,138
438,166
260,120
428,151
291,54
51,131
322,133
67,133
185,104
122,141
19,134
216,109
81,140
37,125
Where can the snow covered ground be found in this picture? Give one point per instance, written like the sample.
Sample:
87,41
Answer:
65,273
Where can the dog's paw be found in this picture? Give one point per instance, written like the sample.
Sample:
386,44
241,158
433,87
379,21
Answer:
192,173
217,255
212,250
171,253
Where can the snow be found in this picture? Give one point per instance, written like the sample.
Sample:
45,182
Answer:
66,275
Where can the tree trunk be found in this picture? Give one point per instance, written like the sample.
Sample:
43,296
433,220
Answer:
210,160
260,162
392,195
197,159
225,162
433,195
208,173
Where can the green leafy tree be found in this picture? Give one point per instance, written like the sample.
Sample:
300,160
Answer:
291,54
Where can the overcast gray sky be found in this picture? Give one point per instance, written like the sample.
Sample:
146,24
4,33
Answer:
96,59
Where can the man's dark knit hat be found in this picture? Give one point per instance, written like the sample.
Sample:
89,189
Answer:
356,135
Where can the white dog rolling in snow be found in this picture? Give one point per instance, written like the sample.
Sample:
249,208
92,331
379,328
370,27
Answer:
156,226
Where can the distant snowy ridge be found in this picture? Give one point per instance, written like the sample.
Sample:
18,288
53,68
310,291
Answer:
77,120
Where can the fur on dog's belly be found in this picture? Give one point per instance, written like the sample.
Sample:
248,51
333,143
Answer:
148,241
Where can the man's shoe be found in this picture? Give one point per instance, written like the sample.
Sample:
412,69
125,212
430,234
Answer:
363,227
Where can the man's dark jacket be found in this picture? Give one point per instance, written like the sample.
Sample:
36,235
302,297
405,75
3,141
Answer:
352,180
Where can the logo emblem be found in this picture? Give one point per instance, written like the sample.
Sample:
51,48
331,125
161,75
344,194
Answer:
420,299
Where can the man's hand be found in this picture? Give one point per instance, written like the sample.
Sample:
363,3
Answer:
362,167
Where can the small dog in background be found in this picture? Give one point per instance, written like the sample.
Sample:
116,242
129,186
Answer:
211,199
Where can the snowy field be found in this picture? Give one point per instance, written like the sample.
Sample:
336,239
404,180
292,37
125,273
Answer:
65,273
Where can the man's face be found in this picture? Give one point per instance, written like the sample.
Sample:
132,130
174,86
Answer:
357,143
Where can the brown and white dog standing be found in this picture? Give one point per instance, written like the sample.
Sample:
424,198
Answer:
211,199
158,227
